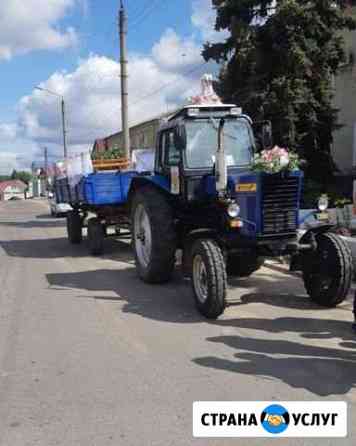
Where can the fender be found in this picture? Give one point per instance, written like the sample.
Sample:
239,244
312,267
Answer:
312,232
307,243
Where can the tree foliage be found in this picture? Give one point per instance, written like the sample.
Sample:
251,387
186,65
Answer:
278,63
24,176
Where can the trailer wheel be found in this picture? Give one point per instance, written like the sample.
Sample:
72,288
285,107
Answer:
74,227
208,278
153,235
96,235
327,272
243,267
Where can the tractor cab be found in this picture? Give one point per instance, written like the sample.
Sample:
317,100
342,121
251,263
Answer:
208,144
189,144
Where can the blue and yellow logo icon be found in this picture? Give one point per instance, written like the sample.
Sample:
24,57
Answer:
275,419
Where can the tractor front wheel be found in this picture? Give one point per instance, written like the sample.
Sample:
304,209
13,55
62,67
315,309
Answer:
208,278
327,272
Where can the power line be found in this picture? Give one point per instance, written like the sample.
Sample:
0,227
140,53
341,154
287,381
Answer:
145,13
138,9
168,84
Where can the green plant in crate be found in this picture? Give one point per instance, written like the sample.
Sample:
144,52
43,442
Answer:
112,153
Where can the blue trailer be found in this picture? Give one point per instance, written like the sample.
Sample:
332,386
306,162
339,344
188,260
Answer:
201,196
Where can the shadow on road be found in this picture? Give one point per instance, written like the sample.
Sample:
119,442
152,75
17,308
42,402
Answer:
44,216
53,248
171,302
35,224
320,370
278,299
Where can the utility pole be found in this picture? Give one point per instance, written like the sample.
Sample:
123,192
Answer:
64,129
124,80
46,166
46,159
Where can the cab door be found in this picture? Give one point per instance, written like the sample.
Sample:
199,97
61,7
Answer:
169,159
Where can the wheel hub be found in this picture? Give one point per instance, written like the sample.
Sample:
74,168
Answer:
143,235
200,278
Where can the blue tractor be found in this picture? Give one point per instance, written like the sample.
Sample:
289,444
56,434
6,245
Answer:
203,198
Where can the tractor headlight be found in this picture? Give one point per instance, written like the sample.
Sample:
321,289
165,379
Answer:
323,203
233,210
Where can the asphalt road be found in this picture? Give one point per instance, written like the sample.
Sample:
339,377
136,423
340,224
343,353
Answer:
89,355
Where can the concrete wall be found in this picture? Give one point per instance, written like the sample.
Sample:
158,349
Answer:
38,187
142,136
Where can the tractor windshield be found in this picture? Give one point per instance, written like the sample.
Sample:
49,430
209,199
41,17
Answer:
202,141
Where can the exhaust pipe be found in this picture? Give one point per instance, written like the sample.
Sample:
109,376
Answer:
220,163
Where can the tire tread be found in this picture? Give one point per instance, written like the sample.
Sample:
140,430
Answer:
163,235
344,265
216,301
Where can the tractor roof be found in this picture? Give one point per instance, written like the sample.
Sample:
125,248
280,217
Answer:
188,110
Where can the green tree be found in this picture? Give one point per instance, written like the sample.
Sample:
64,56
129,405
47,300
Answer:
22,175
278,62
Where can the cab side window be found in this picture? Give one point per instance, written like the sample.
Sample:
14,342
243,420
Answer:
171,152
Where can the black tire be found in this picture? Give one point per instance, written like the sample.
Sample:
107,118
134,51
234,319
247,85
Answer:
96,235
210,302
74,227
159,263
239,266
328,272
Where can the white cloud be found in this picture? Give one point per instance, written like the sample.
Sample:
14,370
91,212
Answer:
16,152
33,25
8,131
203,18
159,81
92,99
173,52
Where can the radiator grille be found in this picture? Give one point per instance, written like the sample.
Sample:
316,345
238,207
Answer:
279,205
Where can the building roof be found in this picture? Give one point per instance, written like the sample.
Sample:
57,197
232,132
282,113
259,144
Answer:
12,183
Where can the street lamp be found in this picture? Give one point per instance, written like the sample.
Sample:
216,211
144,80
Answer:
63,117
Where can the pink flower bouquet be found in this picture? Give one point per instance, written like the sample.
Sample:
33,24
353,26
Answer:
275,160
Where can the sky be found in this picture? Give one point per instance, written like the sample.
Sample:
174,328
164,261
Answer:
70,47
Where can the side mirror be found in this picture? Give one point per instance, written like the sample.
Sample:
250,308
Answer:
263,135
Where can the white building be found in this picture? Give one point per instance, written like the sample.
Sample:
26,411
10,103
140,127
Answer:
11,189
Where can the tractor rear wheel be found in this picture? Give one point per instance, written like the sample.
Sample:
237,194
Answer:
96,235
74,227
208,278
242,266
153,235
327,272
